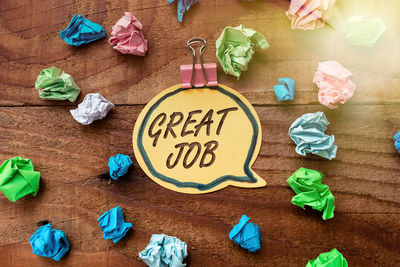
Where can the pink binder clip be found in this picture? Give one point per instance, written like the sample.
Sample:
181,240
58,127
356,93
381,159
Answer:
198,75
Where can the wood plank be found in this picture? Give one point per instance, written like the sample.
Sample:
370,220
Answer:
29,42
72,157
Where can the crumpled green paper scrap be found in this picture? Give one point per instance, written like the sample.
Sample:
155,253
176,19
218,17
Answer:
364,32
18,179
332,258
235,48
307,184
55,84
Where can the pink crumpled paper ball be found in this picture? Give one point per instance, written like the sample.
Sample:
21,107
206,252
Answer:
127,36
309,14
333,81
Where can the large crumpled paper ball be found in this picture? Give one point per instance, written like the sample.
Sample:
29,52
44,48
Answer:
308,133
18,178
334,83
310,190
364,32
235,48
309,14
49,242
164,251
127,36
55,84
82,31
93,107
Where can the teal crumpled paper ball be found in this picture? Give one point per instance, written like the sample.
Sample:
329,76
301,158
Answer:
82,31
164,251
49,242
285,90
246,234
308,132
113,224
183,6
397,141
119,165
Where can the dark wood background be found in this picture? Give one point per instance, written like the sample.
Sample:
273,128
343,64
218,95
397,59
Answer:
364,177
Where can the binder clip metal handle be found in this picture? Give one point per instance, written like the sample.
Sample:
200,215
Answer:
198,75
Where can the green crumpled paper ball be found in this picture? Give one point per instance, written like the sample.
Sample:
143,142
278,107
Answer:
307,184
332,258
18,179
55,84
363,32
235,48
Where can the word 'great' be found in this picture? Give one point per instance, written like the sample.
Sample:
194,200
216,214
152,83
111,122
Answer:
164,126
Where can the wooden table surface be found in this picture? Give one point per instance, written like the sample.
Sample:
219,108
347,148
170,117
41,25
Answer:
364,177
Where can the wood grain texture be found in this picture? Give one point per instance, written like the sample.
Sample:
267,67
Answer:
72,158
30,41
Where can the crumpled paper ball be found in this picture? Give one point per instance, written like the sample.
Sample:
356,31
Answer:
93,107
308,134
82,31
334,83
113,224
285,90
182,6
119,165
397,141
49,242
310,190
246,234
164,251
363,32
18,178
127,36
332,258
55,84
309,14
235,48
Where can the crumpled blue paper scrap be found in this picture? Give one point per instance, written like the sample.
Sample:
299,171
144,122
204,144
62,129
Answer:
246,234
49,242
183,6
82,31
397,141
113,225
119,165
308,134
285,90
164,251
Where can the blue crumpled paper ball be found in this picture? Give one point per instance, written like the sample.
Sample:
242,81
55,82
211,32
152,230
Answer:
308,133
49,242
119,165
164,251
246,234
397,141
82,31
113,224
285,90
183,6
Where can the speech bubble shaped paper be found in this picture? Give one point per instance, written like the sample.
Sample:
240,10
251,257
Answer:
198,140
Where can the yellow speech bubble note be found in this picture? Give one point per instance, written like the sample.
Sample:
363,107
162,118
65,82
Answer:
198,140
